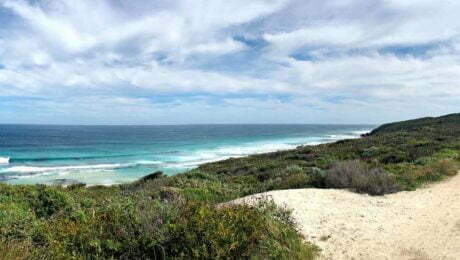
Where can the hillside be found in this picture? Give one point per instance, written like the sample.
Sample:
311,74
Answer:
451,121
180,216
410,151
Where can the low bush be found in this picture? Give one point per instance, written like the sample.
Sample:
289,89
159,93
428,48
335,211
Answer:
16,219
411,176
295,181
358,176
108,223
446,167
435,171
238,231
377,182
49,201
155,175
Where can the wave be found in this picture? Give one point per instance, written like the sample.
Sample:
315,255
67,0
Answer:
146,162
193,163
37,169
225,152
351,135
361,132
53,169
221,153
340,137
73,158
4,160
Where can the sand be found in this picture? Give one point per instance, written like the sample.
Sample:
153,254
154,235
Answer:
421,224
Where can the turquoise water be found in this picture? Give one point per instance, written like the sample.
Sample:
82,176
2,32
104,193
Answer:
117,154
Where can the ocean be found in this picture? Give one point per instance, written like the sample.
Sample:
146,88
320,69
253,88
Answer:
105,155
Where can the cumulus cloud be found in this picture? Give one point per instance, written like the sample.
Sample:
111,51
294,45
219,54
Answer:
228,61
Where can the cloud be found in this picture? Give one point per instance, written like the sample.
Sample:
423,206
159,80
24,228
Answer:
248,61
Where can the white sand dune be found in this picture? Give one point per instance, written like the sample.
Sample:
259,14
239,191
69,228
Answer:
421,224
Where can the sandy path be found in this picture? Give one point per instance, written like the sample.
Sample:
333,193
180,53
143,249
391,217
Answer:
422,224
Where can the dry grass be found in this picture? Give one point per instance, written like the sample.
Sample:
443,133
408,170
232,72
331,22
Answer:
359,177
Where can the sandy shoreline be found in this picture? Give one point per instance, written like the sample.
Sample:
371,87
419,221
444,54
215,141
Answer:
421,224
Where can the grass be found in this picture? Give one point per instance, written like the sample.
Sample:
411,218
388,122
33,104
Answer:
180,217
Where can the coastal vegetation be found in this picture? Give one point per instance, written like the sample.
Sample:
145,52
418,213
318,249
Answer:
183,216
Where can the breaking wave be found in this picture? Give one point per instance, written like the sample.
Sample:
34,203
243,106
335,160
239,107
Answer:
31,170
174,160
4,160
70,158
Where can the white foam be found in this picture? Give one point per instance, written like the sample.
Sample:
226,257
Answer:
221,153
315,143
36,169
146,162
341,137
20,176
225,152
351,135
4,160
254,149
362,132
194,164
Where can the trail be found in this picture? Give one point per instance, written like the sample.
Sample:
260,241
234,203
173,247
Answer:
421,224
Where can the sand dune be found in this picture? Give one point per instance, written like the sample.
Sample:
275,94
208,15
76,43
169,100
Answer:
421,224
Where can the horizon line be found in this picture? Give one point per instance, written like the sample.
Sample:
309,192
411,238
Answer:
185,124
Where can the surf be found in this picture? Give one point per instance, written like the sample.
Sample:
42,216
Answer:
70,158
4,160
41,169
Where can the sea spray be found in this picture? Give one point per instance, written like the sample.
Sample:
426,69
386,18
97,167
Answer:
37,169
4,160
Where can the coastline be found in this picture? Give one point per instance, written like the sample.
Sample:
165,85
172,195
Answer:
359,135
71,181
31,171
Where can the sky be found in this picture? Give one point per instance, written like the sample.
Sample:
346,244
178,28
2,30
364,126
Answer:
228,61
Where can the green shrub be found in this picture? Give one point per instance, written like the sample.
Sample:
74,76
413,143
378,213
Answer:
49,201
238,231
395,156
16,221
155,175
76,186
136,225
436,171
372,151
294,169
295,181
